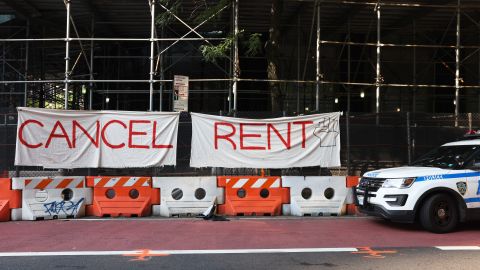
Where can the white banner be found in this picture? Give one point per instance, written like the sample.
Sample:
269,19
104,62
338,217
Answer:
95,139
286,142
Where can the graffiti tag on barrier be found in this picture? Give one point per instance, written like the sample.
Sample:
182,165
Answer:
67,207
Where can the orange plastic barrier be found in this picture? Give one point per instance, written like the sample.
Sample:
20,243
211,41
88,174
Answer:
352,181
252,195
9,199
122,196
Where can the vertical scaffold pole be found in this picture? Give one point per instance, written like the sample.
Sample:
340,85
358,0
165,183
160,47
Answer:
67,54
378,78
236,68
457,66
317,75
152,36
90,92
27,34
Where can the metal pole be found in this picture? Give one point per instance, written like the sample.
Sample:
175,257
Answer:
317,77
378,76
152,36
409,140
90,92
67,54
236,68
349,90
4,57
298,63
162,74
457,66
414,99
26,64
347,115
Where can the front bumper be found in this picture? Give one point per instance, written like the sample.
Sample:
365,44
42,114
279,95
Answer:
404,216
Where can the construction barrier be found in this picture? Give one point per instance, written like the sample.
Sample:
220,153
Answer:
253,195
52,198
186,196
315,195
115,196
10,201
352,181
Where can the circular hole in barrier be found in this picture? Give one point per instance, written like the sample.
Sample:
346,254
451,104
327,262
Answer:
200,193
264,193
110,193
329,193
306,193
241,193
133,193
177,194
67,194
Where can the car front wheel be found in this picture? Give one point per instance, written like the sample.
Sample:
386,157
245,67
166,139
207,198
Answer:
439,214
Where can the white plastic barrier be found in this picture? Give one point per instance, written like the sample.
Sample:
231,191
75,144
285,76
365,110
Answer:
186,196
315,195
52,198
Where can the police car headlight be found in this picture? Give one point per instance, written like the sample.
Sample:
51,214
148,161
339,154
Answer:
398,182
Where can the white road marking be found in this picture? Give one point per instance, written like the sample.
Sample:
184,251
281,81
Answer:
147,252
174,252
452,248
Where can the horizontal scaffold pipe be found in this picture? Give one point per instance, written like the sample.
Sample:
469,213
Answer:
396,4
256,80
105,39
373,44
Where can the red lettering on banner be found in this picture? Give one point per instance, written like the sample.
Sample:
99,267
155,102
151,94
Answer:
304,124
20,133
93,136
154,135
250,135
132,133
95,141
287,143
226,136
58,124
114,146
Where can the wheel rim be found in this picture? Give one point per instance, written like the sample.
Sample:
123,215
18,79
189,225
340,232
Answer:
442,213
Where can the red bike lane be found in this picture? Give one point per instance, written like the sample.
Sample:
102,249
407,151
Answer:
238,233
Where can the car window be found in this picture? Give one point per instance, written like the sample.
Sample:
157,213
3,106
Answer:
448,157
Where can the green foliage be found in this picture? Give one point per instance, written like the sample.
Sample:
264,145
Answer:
211,53
253,44
165,18
210,11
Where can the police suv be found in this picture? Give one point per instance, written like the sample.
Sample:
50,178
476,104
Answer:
439,190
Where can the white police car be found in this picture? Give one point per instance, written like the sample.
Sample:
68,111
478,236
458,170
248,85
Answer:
439,190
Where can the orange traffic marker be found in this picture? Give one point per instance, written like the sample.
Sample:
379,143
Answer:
352,181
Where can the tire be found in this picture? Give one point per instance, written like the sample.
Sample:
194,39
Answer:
439,214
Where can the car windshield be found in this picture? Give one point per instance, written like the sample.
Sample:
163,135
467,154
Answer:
448,157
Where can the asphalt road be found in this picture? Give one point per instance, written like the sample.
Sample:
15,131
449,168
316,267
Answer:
404,258
241,243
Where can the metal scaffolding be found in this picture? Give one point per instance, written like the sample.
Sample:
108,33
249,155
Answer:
327,75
